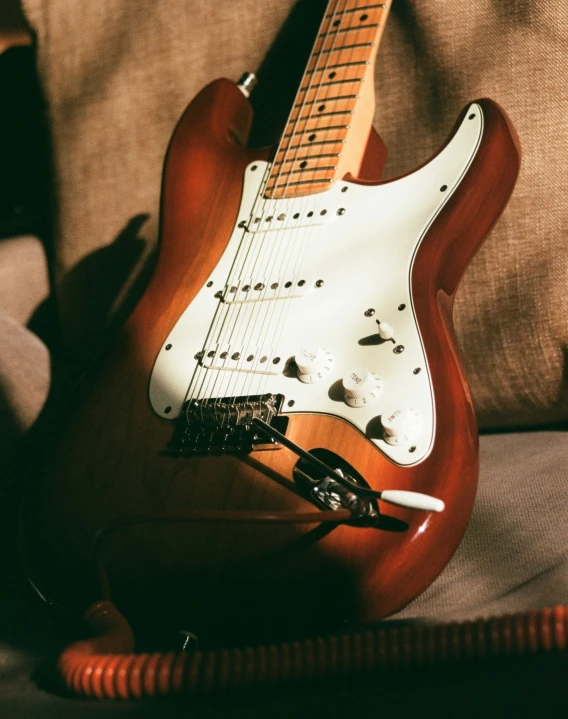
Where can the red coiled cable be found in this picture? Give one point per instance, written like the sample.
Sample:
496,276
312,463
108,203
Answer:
105,666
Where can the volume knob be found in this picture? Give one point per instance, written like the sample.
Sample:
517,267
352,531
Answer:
313,363
361,387
401,426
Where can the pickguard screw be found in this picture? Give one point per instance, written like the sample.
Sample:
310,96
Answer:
243,223
370,312
401,307
412,449
168,347
443,188
253,168
218,295
210,283
399,349
344,189
417,370
341,211
471,116
319,283
291,403
167,410
276,360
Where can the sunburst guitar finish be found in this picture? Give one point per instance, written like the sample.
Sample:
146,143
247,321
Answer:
366,272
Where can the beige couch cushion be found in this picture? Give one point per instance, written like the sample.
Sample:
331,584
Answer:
24,379
117,75
24,280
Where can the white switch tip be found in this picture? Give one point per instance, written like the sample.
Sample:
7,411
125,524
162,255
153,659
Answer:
412,500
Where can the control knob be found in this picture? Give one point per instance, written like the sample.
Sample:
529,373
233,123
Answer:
361,387
313,363
401,426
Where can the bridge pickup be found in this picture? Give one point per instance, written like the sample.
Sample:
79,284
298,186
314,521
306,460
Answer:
258,360
255,290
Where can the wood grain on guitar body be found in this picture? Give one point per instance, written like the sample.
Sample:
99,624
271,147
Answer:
296,295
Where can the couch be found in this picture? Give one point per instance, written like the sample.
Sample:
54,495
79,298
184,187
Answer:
116,76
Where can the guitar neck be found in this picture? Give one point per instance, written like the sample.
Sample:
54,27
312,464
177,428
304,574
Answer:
329,124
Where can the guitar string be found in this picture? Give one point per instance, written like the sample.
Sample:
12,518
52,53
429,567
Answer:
322,45
331,16
235,325
259,255
286,304
303,236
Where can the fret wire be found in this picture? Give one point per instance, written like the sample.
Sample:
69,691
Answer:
351,28
358,9
331,99
305,169
307,157
319,142
341,64
324,114
340,82
343,47
300,182
319,129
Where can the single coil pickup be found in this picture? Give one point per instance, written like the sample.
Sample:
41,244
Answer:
261,290
258,360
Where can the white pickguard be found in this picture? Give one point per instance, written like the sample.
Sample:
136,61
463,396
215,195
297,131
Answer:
362,247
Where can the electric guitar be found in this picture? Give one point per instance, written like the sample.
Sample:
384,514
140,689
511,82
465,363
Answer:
282,434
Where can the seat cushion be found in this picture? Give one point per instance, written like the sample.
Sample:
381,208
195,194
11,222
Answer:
24,379
24,278
514,555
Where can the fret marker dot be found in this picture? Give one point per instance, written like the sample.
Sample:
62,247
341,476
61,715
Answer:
336,23
363,18
311,138
303,164
321,108
332,75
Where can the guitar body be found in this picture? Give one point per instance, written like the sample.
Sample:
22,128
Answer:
389,251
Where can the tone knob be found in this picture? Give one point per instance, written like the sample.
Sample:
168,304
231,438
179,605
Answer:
313,363
361,387
401,426
386,332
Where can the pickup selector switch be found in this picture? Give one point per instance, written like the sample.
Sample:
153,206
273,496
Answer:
313,363
361,387
401,426
386,332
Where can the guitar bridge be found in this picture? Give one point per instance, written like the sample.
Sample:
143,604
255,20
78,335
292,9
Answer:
220,426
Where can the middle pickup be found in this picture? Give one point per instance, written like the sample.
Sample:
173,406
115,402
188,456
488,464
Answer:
259,360
261,290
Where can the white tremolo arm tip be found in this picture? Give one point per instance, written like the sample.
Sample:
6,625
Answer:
412,500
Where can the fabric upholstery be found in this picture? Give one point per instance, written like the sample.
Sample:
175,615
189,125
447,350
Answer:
24,379
117,76
24,280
